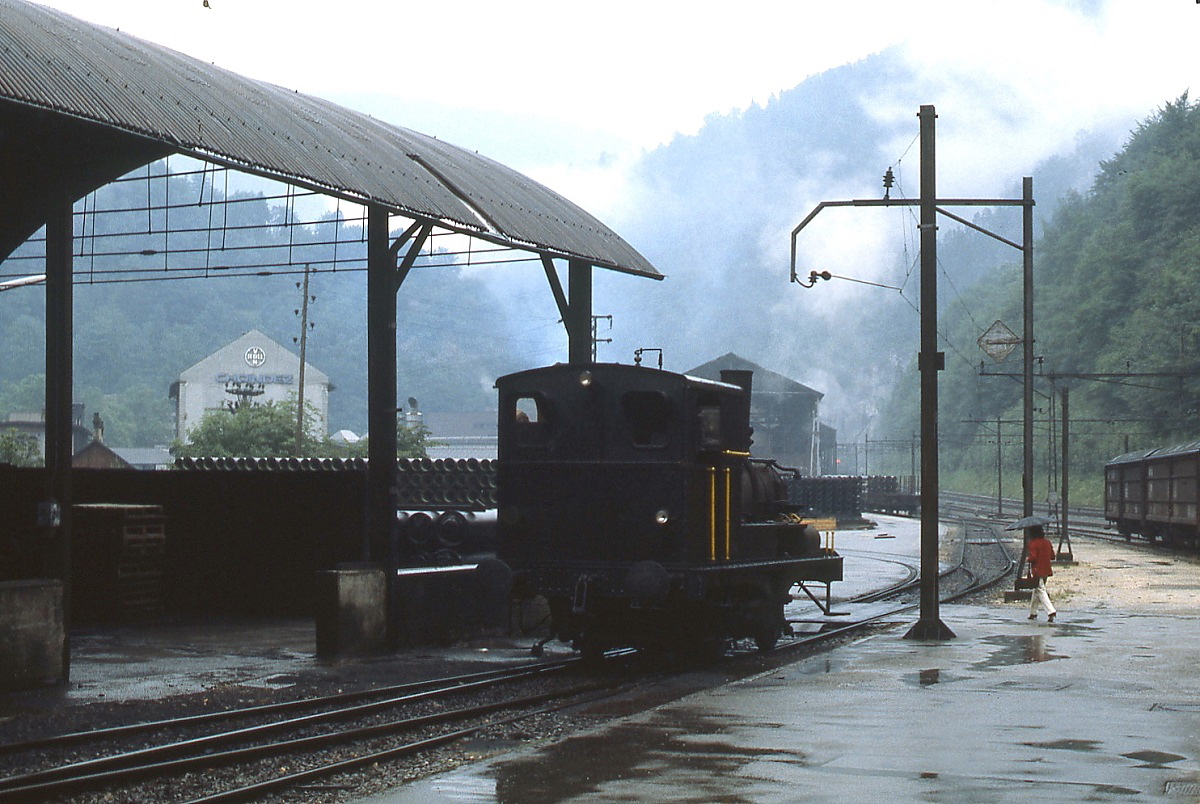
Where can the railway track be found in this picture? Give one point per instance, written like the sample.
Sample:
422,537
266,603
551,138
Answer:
305,747
1083,521
982,507
982,561
375,726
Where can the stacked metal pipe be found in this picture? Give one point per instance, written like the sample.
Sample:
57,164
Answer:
467,483
827,496
422,482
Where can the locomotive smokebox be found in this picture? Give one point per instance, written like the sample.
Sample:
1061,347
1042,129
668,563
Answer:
495,578
648,583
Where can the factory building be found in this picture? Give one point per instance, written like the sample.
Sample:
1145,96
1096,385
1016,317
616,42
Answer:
254,368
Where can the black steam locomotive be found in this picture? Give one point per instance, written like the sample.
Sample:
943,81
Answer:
628,499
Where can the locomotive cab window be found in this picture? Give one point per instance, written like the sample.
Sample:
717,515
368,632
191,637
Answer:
531,425
647,415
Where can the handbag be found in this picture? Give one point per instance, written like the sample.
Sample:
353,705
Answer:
1028,582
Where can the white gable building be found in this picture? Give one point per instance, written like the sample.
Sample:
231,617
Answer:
253,362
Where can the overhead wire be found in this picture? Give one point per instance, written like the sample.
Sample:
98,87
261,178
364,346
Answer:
912,264
110,247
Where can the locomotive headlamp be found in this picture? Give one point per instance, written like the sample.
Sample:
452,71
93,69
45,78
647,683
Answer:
662,516
585,378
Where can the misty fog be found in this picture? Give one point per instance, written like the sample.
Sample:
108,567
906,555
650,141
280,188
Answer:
714,213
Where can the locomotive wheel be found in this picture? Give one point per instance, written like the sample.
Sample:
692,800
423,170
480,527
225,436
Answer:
712,649
590,650
767,638
771,626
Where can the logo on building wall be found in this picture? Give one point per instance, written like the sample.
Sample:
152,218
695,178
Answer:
255,356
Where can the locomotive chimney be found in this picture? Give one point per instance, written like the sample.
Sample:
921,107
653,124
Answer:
740,377
744,380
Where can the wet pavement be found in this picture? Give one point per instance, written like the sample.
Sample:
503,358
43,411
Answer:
1095,707
1103,705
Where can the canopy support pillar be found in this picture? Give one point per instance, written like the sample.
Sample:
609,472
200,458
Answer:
54,514
579,314
381,390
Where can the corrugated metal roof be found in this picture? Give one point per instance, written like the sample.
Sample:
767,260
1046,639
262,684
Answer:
1134,457
766,382
1156,453
1179,449
53,61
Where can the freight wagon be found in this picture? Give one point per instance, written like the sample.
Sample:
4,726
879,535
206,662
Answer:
1152,493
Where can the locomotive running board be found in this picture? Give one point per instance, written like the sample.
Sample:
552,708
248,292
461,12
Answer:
826,607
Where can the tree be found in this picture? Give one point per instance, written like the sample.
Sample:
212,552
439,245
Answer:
412,442
1115,275
268,430
19,449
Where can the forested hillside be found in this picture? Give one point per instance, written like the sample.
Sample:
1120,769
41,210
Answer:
132,339
713,211
1116,277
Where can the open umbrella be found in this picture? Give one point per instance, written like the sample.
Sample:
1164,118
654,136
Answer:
1030,522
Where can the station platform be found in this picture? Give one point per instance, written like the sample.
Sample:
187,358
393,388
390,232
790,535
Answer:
1102,705
167,668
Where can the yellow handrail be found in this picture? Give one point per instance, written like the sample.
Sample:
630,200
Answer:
728,496
712,513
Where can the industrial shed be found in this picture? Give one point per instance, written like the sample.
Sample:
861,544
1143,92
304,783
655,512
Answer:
82,105
784,414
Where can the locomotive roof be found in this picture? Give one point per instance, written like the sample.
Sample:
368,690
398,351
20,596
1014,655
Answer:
99,102
620,368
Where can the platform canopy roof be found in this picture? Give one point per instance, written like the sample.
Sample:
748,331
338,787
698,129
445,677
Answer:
81,105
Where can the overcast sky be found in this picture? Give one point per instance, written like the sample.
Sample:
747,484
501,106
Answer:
571,92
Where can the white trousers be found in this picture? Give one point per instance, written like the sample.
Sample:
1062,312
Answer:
1039,596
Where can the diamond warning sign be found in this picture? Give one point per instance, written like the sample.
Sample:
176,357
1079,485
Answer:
998,341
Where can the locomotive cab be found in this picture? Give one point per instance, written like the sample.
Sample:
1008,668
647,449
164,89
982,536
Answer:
628,499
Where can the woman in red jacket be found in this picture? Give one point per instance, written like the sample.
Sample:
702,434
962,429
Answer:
1041,553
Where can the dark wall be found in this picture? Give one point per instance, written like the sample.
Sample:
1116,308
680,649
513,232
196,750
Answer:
237,542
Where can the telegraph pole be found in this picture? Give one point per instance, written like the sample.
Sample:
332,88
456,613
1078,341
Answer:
596,339
1027,273
303,313
999,470
1064,536
929,361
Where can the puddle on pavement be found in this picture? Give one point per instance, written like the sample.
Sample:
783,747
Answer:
1009,651
1069,627
930,677
1149,757
633,752
1176,706
276,682
1154,759
1068,745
